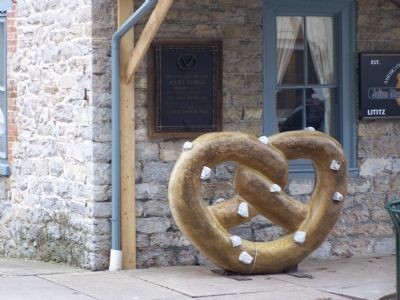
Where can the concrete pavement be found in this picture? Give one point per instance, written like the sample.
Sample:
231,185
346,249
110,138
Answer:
352,278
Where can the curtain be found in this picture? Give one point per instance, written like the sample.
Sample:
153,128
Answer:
287,31
320,41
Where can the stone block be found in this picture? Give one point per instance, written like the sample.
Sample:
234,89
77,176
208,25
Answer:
359,185
227,15
351,247
224,171
381,184
161,258
269,233
156,208
386,146
151,191
188,256
244,231
101,153
324,251
365,147
168,239
356,214
100,175
170,151
215,190
102,132
385,246
157,172
380,215
253,113
374,167
371,200
301,186
152,225
42,167
141,114
139,208
80,152
142,241
394,184
56,167
233,114
99,193
99,209
147,151
375,128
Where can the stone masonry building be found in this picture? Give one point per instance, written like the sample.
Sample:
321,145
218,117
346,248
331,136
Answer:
56,203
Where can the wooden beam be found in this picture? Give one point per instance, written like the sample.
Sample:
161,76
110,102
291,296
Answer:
128,203
147,36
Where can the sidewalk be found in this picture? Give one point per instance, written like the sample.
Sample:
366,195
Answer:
353,278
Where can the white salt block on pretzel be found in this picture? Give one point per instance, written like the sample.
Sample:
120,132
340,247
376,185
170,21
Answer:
187,146
245,258
338,197
264,140
243,210
335,165
299,237
205,173
275,188
309,129
236,241
219,200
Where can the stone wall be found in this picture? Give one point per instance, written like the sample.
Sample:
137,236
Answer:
238,25
58,204
364,227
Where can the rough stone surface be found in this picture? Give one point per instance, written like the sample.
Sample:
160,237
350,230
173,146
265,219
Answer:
56,204
364,227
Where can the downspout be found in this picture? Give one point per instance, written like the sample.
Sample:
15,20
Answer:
116,253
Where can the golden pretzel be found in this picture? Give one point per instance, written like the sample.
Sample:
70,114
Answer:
262,166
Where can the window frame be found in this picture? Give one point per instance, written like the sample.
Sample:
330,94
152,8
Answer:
343,12
4,164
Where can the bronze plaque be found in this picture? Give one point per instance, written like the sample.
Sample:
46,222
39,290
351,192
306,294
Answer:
185,88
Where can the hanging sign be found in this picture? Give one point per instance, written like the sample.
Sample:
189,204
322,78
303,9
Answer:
380,85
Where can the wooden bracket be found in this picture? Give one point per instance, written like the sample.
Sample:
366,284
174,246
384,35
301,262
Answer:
147,36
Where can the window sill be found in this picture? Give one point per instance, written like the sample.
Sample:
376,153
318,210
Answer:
5,168
308,172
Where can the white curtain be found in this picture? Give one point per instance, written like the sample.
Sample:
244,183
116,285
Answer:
320,41
287,31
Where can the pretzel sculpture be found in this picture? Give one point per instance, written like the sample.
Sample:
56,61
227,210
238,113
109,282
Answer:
263,169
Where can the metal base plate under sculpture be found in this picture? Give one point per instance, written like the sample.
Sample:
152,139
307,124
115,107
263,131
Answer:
261,173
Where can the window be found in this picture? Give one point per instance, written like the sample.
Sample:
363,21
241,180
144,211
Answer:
309,70
4,167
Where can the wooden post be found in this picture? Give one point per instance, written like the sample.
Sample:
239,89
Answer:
147,36
128,69
128,203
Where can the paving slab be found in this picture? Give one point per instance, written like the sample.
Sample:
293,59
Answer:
370,291
298,294
110,286
365,278
354,278
33,288
16,267
197,281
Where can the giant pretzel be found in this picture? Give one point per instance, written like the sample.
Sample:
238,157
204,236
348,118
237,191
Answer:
262,166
